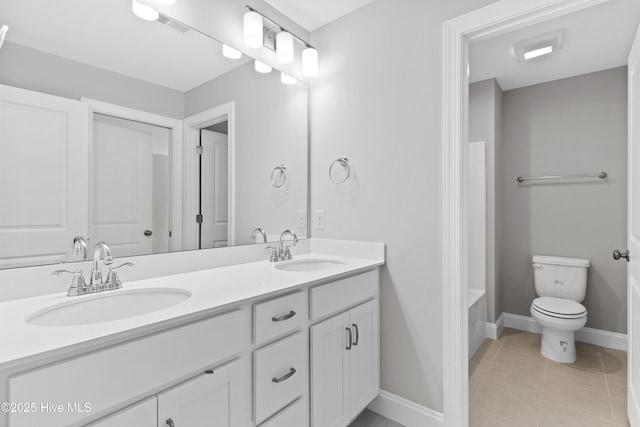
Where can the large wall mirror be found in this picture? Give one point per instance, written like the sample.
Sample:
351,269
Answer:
141,134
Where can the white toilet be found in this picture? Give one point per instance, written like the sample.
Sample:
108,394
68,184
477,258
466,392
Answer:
561,285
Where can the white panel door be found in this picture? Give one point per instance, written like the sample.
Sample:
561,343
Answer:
330,372
214,189
208,400
43,176
123,184
633,236
364,363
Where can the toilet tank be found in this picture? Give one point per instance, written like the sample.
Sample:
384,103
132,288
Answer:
560,277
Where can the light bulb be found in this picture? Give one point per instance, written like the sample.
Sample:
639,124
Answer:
143,11
284,48
261,67
310,62
230,52
253,35
287,79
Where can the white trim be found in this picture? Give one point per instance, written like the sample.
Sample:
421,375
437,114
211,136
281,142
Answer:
493,330
192,126
494,19
176,142
587,335
404,411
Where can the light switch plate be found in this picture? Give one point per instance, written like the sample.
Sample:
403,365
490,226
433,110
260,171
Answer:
302,219
318,220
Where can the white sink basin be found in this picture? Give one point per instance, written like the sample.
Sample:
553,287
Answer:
108,306
309,265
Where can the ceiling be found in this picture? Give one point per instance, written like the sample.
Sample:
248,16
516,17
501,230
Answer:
106,34
595,39
313,14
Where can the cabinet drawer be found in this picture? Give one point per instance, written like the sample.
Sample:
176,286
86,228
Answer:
341,294
144,414
280,375
278,316
107,377
294,415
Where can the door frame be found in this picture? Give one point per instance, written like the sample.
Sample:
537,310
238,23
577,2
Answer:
490,21
175,160
192,126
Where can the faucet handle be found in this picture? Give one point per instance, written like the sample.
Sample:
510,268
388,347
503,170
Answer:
113,281
275,253
78,285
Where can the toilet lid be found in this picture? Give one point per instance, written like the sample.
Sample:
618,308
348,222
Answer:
559,307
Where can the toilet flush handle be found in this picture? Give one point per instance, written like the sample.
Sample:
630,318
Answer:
536,265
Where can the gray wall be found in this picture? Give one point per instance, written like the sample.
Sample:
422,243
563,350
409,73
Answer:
485,124
572,126
271,129
378,101
32,69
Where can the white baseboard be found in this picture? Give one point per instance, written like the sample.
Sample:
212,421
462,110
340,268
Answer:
405,412
587,335
493,330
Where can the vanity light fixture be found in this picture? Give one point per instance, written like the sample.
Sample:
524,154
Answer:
539,45
253,29
260,30
143,11
231,53
261,67
287,79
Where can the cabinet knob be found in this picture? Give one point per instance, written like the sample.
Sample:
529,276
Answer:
355,328
350,340
285,376
285,317
170,423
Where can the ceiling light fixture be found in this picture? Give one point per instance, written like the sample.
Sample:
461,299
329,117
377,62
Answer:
539,45
260,30
231,53
143,11
287,79
261,67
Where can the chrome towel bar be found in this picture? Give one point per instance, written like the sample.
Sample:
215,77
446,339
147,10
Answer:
601,175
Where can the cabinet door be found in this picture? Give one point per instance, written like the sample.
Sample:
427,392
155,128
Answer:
207,400
329,372
144,414
364,356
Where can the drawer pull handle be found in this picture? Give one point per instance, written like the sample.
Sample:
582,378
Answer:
170,423
285,376
285,317
350,341
355,327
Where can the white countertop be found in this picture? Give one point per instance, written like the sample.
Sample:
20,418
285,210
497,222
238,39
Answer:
212,290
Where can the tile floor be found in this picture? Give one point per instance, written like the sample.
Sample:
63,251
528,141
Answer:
511,384
371,419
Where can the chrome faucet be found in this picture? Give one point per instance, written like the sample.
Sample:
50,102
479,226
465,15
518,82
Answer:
261,232
282,251
100,250
96,284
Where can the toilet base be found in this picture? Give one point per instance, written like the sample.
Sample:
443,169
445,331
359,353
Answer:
558,345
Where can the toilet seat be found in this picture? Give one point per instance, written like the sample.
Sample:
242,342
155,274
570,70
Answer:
559,308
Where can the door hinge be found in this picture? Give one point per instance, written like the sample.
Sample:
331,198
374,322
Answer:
199,150
199,219
169,233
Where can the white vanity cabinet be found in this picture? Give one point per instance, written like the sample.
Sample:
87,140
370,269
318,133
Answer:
345,362
143,414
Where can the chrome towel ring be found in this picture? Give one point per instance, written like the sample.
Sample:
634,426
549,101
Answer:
344,162
282,169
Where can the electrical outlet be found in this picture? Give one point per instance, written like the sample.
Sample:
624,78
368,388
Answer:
302,219
318,220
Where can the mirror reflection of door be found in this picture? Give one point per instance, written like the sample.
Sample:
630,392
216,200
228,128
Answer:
214,181
130,186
